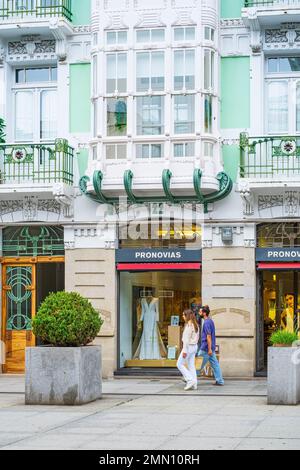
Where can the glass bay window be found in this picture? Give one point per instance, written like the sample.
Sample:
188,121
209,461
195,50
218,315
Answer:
150,115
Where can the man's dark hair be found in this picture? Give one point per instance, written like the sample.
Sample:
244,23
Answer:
206,310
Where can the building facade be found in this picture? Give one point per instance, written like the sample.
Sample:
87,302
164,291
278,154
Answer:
150,163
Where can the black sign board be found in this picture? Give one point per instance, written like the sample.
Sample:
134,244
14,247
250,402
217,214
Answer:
158,255
277,255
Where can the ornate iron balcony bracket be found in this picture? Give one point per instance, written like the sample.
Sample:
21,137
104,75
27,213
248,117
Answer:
225,188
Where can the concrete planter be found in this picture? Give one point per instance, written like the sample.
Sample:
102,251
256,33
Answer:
63,376
283,376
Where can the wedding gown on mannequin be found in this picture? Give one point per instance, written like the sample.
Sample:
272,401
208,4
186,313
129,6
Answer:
151,345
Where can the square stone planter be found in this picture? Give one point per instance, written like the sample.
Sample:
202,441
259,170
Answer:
283,376
63,376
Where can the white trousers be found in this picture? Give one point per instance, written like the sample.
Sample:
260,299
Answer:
189,372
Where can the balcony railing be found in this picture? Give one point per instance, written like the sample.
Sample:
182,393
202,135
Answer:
38,8
271,3
269,157
36,163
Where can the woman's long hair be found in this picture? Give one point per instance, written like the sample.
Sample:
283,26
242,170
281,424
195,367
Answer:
190,316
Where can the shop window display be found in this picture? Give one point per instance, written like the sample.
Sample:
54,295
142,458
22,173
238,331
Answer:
281,310
151,306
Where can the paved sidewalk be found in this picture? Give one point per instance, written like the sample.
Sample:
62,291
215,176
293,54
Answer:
151,415
141,386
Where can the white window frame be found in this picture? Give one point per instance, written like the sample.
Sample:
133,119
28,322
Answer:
184,143
150,53
292,79
116,146
163,113
151,40
185,68
184,28
211,69
150,158
116,78
36,88
118,41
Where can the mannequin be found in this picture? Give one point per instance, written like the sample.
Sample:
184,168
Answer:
287,316
151,345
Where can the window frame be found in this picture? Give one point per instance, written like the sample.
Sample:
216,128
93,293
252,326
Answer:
185,75
292,79
150,145
37,89
151,40
116,78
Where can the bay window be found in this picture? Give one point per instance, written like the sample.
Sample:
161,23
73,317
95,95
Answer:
183,34
184,69
117,117
184,114
150,115
208,114
147,151
116,151
116,73
209,65
150,35
150,71
114,38
184,149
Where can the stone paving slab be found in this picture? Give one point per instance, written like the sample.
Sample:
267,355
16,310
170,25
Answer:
137,414
138,386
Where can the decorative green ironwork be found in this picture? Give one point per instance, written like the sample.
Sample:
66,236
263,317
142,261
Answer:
39,8
270,3
37,163
225,188
266,157
33,241
19,298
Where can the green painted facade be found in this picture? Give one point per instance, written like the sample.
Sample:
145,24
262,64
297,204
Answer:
231,159
83,159
81,10
235,102
80,98
231,8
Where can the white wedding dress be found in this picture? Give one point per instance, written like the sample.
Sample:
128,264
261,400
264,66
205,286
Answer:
151,345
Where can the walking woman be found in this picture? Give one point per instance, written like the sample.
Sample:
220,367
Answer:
190,339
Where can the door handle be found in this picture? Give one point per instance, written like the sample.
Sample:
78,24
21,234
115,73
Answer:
31,288
7,288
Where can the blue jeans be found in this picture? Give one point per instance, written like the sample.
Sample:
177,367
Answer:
214,364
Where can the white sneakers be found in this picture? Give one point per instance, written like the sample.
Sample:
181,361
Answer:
191,386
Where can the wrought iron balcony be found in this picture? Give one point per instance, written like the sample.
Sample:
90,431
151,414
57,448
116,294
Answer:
37,8
272,3
269,157
36,163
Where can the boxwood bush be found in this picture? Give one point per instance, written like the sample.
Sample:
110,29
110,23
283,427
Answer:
66,319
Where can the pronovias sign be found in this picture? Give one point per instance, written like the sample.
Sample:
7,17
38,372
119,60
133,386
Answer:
158,255
278,254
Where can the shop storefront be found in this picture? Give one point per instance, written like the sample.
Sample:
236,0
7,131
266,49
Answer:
33,265
155,286
278,284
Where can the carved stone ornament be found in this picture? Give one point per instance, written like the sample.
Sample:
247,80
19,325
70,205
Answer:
247,197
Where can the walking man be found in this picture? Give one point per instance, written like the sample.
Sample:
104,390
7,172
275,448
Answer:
208,346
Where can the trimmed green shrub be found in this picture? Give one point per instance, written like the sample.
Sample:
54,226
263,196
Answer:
67,319
283,337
